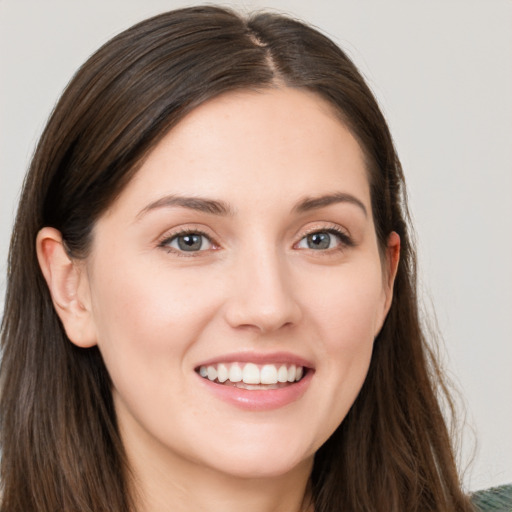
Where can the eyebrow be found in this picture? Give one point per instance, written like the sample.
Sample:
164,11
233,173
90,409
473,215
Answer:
215,207
200,204
314,203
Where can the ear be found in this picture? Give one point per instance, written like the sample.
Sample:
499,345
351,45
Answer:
68,285
392,258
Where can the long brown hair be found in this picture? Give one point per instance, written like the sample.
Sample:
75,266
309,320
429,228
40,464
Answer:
61,448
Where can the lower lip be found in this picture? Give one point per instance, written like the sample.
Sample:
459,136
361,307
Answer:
259,399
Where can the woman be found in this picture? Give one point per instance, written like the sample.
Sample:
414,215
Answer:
217,306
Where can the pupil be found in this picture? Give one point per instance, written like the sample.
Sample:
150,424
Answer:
319,241
190,242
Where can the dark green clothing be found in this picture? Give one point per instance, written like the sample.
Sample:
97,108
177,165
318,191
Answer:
497,499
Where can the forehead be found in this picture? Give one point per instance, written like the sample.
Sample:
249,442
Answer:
271,144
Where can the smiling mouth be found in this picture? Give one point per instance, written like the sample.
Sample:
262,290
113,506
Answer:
253,376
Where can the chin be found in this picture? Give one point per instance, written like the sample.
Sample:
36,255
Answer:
260,460
260,469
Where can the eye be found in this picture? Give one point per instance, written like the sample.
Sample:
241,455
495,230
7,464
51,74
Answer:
188,242
324,240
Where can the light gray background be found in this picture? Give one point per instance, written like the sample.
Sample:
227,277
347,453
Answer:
442,71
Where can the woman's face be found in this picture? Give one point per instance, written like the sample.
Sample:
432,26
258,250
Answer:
243,251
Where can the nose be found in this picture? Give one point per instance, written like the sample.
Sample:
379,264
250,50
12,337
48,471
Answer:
262,295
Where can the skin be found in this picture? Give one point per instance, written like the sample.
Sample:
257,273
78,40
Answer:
157,312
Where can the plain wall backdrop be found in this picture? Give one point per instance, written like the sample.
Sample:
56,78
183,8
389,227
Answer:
442,72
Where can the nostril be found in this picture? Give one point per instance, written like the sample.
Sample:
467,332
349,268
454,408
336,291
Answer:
261,318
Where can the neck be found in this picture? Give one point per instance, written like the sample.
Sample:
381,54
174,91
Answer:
162,481
206,490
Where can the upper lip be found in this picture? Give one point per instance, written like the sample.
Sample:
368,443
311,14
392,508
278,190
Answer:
258,358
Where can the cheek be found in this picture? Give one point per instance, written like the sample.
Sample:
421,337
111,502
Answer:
149,313
347,306
146,324
346,312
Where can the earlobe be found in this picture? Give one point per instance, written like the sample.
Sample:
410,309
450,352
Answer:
390,268
392,260
67,284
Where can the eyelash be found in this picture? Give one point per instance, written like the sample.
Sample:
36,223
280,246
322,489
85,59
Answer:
164,244
345,241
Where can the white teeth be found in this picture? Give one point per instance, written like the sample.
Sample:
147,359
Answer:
235,373
268,374
212,373
282,374
222,373
251,373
